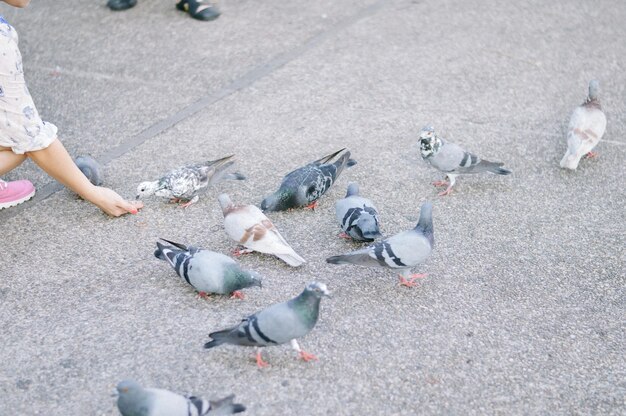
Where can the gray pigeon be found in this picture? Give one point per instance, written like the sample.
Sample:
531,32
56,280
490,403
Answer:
278,324
207,271
305,185
452,159
586,128
134,400
248,226
183,184
401,251
357,216
90,168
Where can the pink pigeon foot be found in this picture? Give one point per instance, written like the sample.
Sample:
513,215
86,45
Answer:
237,295
259,361
307,356
238,252
411,281
344,235
187,204
440,183
446,192
312,205
591,155
204,295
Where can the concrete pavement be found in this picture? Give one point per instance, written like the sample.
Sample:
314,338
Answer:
523,311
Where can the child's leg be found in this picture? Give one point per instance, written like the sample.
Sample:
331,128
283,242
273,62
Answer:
9,160
56,162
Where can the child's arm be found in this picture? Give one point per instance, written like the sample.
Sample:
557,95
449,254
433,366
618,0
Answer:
17,3
56,162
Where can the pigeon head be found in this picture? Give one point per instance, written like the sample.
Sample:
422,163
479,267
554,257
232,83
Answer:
147,189
429,142
594,89
316,289
256,280
353,189
278,201
225,203
128,388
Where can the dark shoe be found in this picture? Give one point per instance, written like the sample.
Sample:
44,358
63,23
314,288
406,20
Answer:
121,4
199,9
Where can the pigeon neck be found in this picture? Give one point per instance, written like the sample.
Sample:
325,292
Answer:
592,103
307,306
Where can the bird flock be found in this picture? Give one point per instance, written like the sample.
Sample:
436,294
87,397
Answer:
211,273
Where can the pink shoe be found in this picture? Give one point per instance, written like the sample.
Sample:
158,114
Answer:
16,192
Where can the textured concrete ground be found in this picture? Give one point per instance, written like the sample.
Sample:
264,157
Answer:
523,311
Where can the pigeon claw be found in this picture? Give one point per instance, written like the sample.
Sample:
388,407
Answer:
204,295
591,155
440,183
238,252
446,192
410,282
307,356
237,295
259,361
344,235
187,204
312,205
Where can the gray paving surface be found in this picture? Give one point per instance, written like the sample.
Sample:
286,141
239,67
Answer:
524,308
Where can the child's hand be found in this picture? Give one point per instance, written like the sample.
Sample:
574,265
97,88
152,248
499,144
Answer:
110,202
17,3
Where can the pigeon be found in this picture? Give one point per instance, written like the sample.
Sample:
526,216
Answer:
586,128
278,324
357,216
401,251
90,168
452,159
134,400
247,225
207,271
183,184
305,185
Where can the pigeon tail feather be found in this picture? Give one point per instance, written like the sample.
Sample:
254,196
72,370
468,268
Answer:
569,161
292,259
218,338
226,406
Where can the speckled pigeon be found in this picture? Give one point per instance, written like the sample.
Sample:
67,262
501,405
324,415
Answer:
207,271
278,324
305,185
401,251
248,226
183,184
452,159
585,130
134,400
357,216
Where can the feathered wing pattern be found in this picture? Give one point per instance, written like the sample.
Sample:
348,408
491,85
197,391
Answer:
250,227
401,251
305,185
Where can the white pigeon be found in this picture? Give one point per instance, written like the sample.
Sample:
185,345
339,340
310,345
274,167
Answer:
134,400
248,226
586,128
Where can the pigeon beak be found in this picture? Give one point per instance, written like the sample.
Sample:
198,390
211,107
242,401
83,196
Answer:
326,293
114,393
